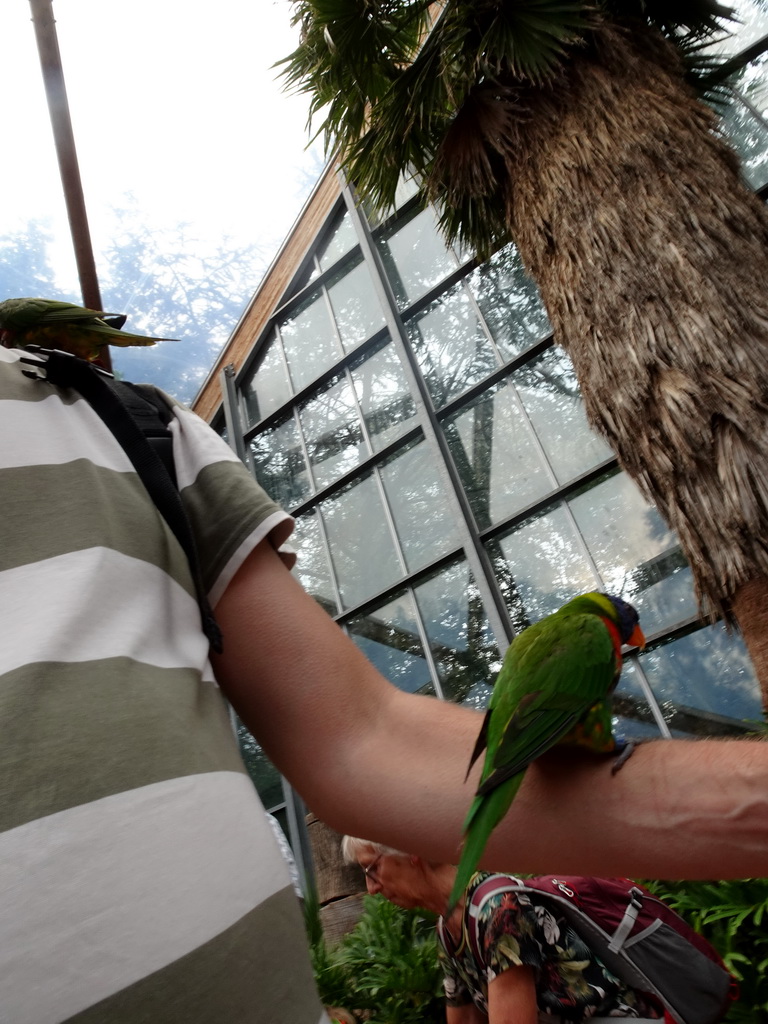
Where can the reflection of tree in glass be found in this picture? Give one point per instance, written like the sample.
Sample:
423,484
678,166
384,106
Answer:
703,681
418,501
388,635
505,579
550,373
312,568
461,644
472,451
550,394
547,562
510,302
383,395
309,339
453,350
339,241
279,464
636,553
360,540
744,120
268,386
460,637
263,773
522,437
355,307
332,431
414,255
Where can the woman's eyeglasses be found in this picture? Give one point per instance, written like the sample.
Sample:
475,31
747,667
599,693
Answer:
370,871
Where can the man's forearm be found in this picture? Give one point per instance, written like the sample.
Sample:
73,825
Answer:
677,809
389,766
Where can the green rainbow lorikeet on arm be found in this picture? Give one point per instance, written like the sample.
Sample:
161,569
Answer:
554,687
62,325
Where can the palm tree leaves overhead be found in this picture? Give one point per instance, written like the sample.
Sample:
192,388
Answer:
444,88
674,18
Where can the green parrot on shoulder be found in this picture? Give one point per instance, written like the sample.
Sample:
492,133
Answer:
554,687
63,325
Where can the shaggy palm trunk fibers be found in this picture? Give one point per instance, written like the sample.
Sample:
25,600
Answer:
650,254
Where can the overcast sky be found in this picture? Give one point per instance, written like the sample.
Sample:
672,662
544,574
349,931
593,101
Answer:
172,101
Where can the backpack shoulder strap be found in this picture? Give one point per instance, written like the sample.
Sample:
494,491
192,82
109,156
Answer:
152,414
490,887
65,370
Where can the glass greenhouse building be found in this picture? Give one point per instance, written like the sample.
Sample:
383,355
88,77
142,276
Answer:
406,403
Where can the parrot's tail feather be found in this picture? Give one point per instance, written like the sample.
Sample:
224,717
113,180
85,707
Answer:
484,815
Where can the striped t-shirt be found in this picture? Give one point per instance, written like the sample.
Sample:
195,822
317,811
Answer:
139,877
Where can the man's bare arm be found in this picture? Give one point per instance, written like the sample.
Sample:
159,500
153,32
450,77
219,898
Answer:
373,761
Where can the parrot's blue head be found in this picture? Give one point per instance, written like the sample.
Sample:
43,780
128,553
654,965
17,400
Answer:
627,620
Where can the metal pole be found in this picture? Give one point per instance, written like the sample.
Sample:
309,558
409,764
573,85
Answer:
58,108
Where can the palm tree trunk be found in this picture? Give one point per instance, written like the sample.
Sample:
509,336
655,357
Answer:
750,607
650,254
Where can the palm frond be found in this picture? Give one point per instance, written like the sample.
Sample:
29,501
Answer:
394,87
530,39
676,19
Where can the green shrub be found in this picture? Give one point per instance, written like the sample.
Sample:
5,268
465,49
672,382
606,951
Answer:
385,969
733,916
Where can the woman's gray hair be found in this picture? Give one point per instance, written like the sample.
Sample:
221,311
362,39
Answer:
351,847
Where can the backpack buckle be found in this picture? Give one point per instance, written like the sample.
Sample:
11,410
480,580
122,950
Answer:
57,353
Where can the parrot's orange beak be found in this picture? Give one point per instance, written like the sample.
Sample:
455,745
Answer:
637,639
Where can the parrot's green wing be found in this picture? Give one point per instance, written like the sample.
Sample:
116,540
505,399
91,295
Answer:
555,672
553,686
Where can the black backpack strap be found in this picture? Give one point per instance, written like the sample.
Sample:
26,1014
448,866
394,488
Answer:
153,414
67,371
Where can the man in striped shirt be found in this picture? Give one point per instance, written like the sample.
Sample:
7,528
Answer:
139,878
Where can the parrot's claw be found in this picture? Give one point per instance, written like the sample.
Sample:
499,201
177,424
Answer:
626,749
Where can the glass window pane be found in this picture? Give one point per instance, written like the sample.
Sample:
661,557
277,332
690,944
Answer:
546,565
510,302
279,464
407,187
415,256
340,241
355,306
452,348
461,641
384,397
637,555
551,396
310,341
632,715
332,432
268,386
312,568
423,518
263,773
704,682
498,458
746,123
389,637
362,547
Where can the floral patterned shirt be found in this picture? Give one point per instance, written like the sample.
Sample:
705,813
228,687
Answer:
516,929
